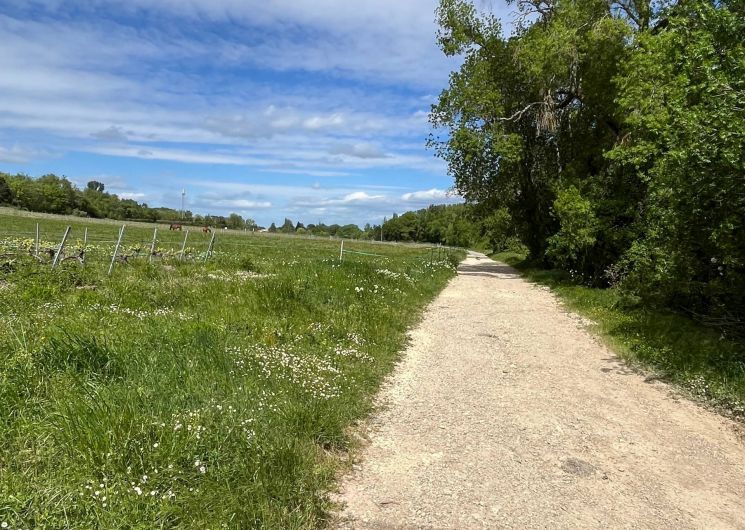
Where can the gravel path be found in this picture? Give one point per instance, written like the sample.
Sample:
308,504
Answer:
506,413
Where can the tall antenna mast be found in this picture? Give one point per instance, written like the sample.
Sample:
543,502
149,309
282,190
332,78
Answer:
183,196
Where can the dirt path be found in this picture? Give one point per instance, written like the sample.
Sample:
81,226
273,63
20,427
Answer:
506,413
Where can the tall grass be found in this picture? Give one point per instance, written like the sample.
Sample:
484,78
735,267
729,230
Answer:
185,394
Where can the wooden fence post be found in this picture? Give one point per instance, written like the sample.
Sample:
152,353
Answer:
36,247
341,252
61,246
183,246
152,245
85,245
208,255
116,249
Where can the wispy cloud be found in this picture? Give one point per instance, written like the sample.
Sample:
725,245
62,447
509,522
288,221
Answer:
297,93
433,195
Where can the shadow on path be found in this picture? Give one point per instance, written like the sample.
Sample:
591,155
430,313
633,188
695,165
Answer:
490,269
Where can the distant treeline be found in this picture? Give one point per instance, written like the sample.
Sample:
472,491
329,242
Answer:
458,225
53,194
350,231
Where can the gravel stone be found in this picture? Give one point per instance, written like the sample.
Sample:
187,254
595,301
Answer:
504,413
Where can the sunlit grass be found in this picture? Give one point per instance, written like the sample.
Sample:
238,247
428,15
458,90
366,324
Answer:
192,394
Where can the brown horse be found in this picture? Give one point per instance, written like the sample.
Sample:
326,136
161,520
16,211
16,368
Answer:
206,230
175,226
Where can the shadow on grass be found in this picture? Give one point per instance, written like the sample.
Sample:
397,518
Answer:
680,350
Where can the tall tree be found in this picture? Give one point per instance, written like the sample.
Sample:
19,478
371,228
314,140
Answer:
534,114
6,194
94,185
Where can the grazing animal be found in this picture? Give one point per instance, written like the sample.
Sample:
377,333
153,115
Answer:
206,230
175,226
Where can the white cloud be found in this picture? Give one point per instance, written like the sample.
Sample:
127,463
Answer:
18,154
361,196
363,150
75,81
84,79
240,204
133,196
426,195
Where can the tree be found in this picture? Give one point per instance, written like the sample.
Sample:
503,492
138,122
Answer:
287,227
272,228
6,194
611,132
94,185
534,114
235,221
683,90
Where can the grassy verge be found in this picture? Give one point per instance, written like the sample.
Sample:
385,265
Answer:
680,350
186,393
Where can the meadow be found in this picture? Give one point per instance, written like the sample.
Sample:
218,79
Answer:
190,392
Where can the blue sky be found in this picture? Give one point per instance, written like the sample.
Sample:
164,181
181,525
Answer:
310,109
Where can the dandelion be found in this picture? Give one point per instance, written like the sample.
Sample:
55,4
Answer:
155,445
138,490
202,469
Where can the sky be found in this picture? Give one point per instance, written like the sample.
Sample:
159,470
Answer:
314,110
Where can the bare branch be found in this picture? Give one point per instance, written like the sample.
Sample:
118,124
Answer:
519,114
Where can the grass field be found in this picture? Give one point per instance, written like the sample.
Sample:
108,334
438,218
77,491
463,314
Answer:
191,394
699,359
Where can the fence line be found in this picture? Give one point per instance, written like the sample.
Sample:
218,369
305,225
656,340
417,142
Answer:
158,248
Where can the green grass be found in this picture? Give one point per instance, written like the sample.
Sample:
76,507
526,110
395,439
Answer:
676,348
191,394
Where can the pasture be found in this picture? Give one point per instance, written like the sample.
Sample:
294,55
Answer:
185,392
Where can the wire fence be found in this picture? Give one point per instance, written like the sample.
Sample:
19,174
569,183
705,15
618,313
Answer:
46,246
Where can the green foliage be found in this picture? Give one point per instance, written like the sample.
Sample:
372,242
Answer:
455,225
287,227
236,222
52,194
683,89
577,234
6,193
499,230
612,134
94,185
